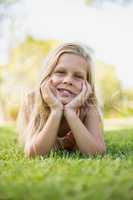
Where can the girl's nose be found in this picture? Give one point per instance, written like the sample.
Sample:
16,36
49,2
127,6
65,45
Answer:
68,80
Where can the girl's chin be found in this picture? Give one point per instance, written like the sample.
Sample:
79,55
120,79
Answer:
65,100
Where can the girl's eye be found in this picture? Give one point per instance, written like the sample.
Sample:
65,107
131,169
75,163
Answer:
78,76
59,72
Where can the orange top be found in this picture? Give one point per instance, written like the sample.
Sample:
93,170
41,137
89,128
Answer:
68,141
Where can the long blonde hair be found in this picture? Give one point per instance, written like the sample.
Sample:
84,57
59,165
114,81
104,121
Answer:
34,111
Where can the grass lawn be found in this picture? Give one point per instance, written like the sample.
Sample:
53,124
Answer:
64,176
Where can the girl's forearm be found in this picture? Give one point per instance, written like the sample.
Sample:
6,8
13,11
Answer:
42,142
86,142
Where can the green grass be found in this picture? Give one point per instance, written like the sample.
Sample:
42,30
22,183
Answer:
65,176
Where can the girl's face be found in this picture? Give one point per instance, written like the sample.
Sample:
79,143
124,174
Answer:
68,76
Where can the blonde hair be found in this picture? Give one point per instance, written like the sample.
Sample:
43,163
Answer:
34,111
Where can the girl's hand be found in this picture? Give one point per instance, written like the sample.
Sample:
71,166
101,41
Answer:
80,98
50,95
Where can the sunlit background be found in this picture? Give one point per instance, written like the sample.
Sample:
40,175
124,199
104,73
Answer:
29,29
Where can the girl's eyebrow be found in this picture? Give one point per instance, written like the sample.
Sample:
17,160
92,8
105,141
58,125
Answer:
60,68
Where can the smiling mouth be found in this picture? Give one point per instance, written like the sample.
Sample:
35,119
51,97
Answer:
65,92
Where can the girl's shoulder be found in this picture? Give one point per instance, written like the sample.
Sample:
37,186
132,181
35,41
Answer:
27,103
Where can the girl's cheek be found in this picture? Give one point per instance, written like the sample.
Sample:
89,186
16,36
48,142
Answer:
55,80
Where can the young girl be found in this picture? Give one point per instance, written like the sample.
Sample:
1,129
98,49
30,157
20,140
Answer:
62,112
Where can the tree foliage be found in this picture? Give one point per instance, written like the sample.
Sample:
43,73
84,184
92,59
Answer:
27,59
8,1
108,84
102,2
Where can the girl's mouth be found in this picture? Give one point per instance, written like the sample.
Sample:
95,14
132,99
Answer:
65,92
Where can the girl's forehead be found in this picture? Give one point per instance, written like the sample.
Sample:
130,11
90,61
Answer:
72,61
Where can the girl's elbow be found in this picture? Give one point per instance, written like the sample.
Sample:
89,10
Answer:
98,150
102,149
29,151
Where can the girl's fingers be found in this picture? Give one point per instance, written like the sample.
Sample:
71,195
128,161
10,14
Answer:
45,89
52,88
79,100
84,86
84,91
52,92
82,97
89,87
89,90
